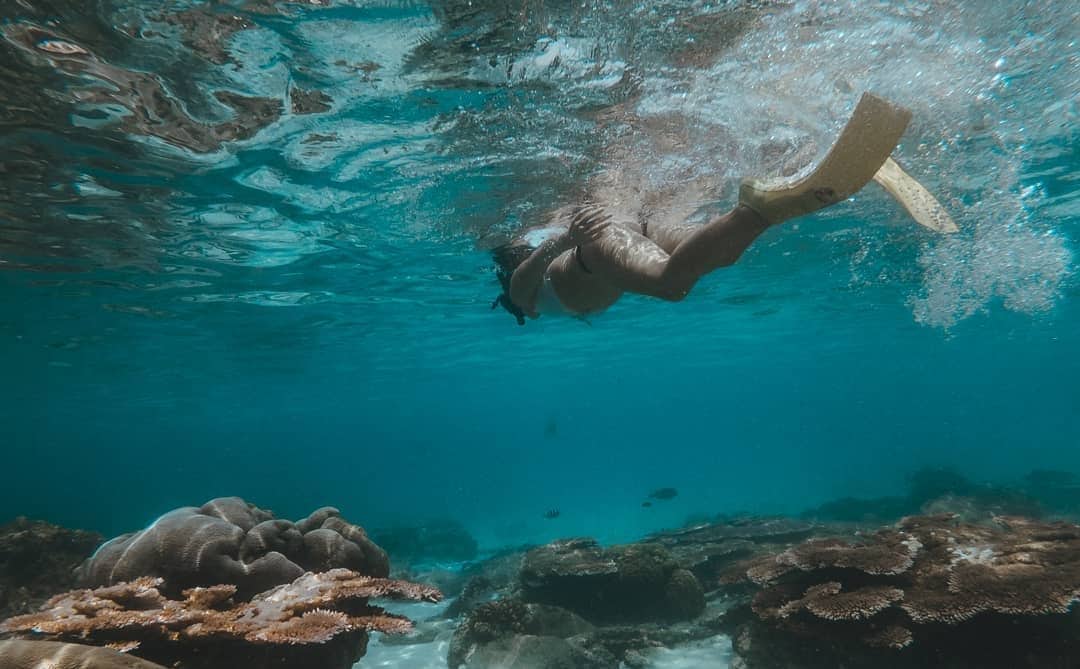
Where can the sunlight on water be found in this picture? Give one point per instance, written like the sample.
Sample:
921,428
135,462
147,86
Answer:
375,117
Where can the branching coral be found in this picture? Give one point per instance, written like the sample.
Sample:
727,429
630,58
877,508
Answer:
311,611
230,541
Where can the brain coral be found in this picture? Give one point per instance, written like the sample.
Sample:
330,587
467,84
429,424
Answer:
230,541
18,654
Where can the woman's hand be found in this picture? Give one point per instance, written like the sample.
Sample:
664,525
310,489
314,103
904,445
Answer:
587,224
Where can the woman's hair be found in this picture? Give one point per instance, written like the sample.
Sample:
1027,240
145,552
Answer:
507,258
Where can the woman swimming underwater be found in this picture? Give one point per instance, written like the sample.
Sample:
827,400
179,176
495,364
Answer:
585,258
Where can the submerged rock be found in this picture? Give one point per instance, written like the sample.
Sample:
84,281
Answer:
37,561
492,578
524,651
494,633
510,632
874,511
709,550
632,583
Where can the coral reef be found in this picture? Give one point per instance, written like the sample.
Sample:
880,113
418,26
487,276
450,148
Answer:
37,560
934,490
878,510
496,576
636,582
709,550
19,654
317,621
439,540
230,541
920,594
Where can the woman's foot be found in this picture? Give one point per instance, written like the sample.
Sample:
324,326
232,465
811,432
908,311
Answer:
871,134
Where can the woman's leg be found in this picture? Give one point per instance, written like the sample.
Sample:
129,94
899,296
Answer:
637,264
669,267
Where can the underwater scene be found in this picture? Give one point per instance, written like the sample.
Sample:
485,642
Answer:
538,334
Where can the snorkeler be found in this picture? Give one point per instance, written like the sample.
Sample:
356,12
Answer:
586,258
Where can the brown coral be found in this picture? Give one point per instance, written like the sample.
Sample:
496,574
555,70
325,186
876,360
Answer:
314,609
855,605
37,560
228,540
888,553
890,589
893,636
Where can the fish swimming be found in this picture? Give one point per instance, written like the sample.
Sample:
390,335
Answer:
664,493
552,514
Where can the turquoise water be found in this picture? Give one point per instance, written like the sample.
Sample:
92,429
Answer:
297,312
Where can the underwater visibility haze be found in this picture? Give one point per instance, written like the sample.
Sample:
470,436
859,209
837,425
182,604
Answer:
245,249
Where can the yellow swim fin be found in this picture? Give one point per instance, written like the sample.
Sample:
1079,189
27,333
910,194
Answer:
863,146
914,197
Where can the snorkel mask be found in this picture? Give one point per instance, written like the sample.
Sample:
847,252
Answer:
504,301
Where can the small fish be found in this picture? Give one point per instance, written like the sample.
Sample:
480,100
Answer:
646,504
664,493
552,514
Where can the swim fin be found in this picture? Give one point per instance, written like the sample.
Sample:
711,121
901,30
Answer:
864,145
914,197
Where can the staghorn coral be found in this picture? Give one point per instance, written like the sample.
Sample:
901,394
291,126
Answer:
922,591
19,654
318,620
230,541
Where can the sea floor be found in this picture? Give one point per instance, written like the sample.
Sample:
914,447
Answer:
715,653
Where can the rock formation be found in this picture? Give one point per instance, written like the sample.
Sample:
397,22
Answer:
37,560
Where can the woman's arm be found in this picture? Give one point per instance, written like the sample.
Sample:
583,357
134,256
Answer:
525,282
585,226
